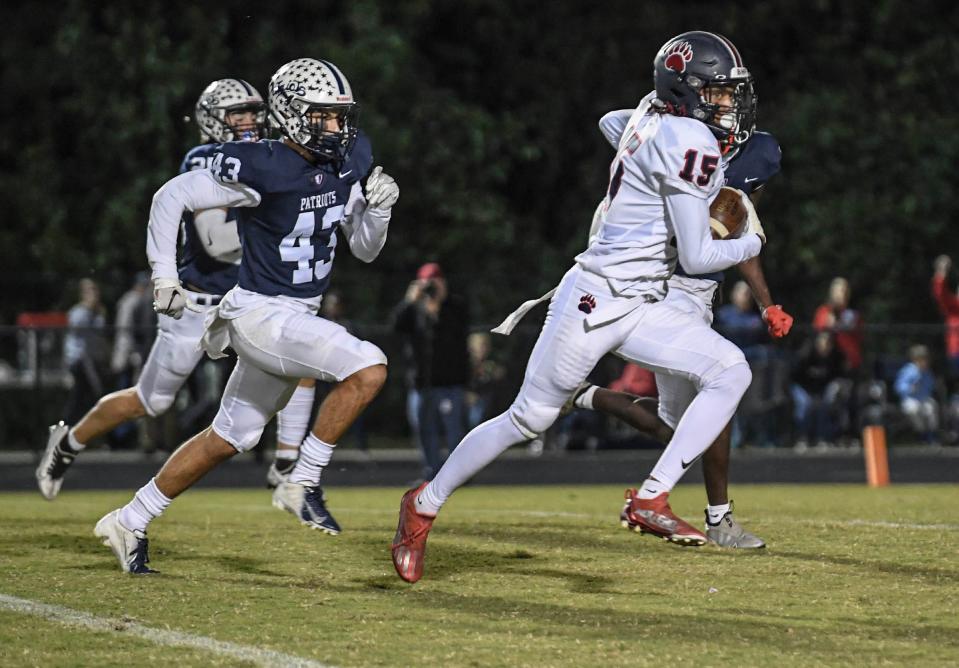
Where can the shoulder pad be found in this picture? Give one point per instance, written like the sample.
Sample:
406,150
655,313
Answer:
755,164
360,159
242,162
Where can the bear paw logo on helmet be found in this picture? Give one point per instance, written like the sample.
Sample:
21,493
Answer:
677,55
587,303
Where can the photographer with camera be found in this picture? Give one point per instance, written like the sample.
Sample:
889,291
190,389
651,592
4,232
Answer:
436,326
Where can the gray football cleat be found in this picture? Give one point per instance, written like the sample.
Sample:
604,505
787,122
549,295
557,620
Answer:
730,533
308,504
129,547
57,458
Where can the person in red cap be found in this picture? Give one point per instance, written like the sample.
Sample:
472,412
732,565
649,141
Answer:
436,326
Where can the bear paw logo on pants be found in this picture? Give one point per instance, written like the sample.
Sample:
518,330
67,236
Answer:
587,303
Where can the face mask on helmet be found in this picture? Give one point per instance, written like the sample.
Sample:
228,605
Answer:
332,130
729,110
231,110
247,122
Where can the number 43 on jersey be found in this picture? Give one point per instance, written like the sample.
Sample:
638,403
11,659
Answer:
297,246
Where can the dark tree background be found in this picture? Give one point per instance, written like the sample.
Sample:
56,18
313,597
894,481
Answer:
485,112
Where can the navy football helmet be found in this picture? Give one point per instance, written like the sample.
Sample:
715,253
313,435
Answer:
688,66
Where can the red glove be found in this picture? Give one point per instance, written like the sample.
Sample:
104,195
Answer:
778,320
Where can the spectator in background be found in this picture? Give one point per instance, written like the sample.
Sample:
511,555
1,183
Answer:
817,390
130,331
436,325
127,360
485,376
835,316
741,323
85,350
947,300
333,309
916,385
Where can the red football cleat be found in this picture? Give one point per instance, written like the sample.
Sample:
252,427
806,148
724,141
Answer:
409,543
654,516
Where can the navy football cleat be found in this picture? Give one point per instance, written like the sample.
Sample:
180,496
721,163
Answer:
307,503
129,547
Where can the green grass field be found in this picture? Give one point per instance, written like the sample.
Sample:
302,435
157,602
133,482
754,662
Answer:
515,576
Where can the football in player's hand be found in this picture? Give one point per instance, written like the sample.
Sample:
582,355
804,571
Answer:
727,213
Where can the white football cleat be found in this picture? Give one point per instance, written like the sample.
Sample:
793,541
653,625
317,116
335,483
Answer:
129,547
55,462
308,504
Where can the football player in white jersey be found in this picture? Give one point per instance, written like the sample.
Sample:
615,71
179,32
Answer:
666,171
227,110
751,161
290,196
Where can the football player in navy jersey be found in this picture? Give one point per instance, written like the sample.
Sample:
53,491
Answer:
291,196
227,110
749,165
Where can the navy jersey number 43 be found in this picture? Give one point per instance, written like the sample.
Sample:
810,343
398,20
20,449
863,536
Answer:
289,240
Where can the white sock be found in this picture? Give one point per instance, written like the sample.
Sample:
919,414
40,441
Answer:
147,504
74,444
477,449
708,413
314,455
293,421
716,513
651,488
585,400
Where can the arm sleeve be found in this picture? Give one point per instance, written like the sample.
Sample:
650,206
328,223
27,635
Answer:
365,229
698,252
190,191
613,124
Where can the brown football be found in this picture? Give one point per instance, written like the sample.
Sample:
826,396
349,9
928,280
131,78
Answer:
727,213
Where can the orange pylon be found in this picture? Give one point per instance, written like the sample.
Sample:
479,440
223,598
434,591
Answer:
877,460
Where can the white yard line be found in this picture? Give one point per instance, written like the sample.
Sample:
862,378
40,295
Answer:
120,627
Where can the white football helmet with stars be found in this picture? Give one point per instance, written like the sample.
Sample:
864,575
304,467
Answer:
303,87
223,96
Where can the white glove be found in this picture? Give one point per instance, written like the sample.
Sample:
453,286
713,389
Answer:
381,190
753,224
169,298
